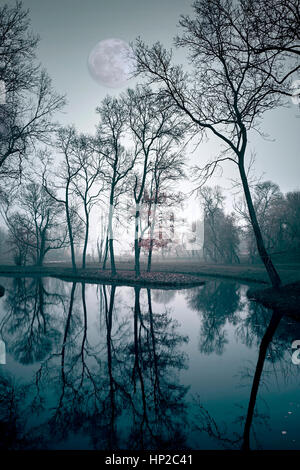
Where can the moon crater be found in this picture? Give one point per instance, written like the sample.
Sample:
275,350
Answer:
111,62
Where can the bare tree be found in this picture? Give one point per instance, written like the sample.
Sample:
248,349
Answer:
150,121
119,161
278,215
29,101
167,168
275,25
102,240
35,224
70,168
88,185
221,234
272,30
227,91
266,196
292,218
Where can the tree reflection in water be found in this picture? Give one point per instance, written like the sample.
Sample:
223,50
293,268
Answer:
29,327
159,416
113,382
219,303
121,391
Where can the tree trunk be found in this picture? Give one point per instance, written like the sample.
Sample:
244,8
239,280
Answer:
110,232
111,240
138,198
112,257
42,249
105,253
137,266
71,244
151,237
86,239
136,244
70,231
273,275
150,256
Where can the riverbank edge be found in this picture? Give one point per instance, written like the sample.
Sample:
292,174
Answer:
126,275
285,300
154,280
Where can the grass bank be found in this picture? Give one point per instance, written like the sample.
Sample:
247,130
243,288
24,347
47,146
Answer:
154,280
165,274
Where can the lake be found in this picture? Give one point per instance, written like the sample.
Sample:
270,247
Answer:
100,367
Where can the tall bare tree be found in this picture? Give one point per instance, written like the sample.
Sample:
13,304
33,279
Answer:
166,169
266,196
61,183
221,233
226,92
119,161
35,224
29,102
89,182
151,121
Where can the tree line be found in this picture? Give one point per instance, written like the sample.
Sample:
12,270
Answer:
229,238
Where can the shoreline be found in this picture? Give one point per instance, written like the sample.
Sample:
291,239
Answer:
284,300
176,277
162,273
154,280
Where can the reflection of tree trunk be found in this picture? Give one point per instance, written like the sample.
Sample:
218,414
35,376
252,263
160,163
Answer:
137,248
156,372
137,365
63,350
108,319
274,322
273,275
41,296
84,329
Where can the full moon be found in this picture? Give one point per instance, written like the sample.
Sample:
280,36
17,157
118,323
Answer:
111,62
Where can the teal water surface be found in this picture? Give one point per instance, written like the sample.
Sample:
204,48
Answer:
100,367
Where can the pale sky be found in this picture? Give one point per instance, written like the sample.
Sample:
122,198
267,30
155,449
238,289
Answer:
69,29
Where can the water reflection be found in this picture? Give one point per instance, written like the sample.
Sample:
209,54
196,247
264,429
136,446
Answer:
241,440
122,392
103,367
28,326
264,345
218,302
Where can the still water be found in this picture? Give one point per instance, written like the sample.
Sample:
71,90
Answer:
101,367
